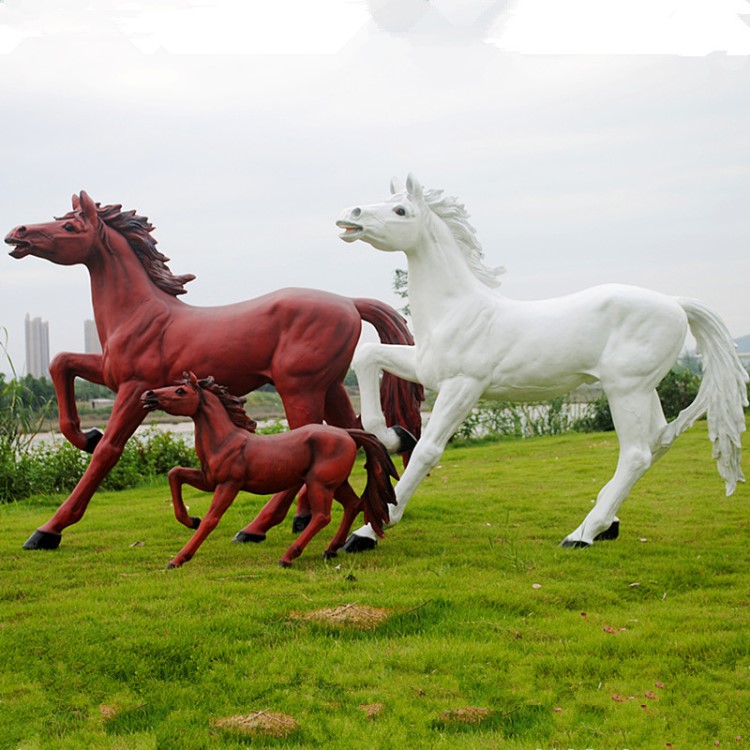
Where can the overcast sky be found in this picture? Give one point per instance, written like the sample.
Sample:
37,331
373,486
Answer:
608,141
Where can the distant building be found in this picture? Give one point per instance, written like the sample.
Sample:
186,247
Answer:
37,347
91,341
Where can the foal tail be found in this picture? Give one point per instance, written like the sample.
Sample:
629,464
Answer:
722,394
379,492
401,399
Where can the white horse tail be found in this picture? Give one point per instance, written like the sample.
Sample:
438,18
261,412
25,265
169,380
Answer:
722,395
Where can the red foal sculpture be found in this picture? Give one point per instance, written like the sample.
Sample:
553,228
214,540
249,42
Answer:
301,340
232,458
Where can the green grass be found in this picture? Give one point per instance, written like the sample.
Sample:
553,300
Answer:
639,643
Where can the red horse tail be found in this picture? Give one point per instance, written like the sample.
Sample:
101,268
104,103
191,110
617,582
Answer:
379,492
401,399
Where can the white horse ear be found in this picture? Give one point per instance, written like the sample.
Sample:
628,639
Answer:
413,187
396,186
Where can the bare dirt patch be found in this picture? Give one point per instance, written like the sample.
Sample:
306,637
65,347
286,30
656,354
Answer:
371,710
363,617
466,715
260,723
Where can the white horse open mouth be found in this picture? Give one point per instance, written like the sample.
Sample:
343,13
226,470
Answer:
351,231
471,342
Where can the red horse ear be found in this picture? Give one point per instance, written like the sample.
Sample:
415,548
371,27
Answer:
76,202
89,208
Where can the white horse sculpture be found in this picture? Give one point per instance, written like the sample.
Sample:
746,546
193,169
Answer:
471,342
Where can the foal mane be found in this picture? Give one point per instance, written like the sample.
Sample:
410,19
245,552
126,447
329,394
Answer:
456,217
233,404
137,232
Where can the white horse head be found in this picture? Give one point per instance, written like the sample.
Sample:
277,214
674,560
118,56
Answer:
407,222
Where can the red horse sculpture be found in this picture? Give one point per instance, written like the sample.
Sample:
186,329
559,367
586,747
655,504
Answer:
301,340
233,458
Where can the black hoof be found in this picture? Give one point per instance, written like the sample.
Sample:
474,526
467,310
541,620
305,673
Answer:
43,540
574,544
284,564
299,524
92,439
330,555
608,534
407,440
171,566
359,544
195,522
243,536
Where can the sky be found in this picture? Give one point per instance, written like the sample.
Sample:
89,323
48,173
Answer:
591,141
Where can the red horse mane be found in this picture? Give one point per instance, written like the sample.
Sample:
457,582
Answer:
137,232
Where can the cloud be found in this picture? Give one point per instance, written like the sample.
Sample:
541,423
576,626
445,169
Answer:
695,27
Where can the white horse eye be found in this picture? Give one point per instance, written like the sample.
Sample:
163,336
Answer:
399,211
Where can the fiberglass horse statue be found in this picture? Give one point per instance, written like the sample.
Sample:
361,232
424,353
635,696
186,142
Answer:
470,342
301,340
232,458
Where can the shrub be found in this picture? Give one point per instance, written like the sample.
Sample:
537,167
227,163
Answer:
52,468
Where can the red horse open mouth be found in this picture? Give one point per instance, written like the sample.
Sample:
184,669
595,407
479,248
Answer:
22,248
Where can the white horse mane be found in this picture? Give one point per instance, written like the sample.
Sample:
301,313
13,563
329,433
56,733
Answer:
456,217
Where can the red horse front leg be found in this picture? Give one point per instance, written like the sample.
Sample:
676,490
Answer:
127,414
194,477
222,499
64,369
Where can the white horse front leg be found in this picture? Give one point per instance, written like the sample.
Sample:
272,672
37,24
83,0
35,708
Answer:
453,404
369,361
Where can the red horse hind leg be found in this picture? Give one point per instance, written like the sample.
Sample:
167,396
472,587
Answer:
194,477
64,369
222,499
271,514
303,404
127,414
352,505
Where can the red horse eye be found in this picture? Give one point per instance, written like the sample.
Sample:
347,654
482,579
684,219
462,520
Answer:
69,228
181,391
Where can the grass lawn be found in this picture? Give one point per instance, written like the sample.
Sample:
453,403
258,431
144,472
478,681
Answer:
468,627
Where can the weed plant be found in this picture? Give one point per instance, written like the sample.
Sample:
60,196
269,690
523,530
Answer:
473,628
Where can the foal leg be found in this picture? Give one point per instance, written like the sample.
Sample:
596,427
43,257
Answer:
321,499
352,505
638,419
222,499
271,514
194,477
454,402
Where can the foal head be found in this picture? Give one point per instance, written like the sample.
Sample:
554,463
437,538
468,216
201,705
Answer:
186,397
181,400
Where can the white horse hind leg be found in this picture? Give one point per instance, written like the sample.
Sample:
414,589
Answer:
368,363
638,420
454,402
